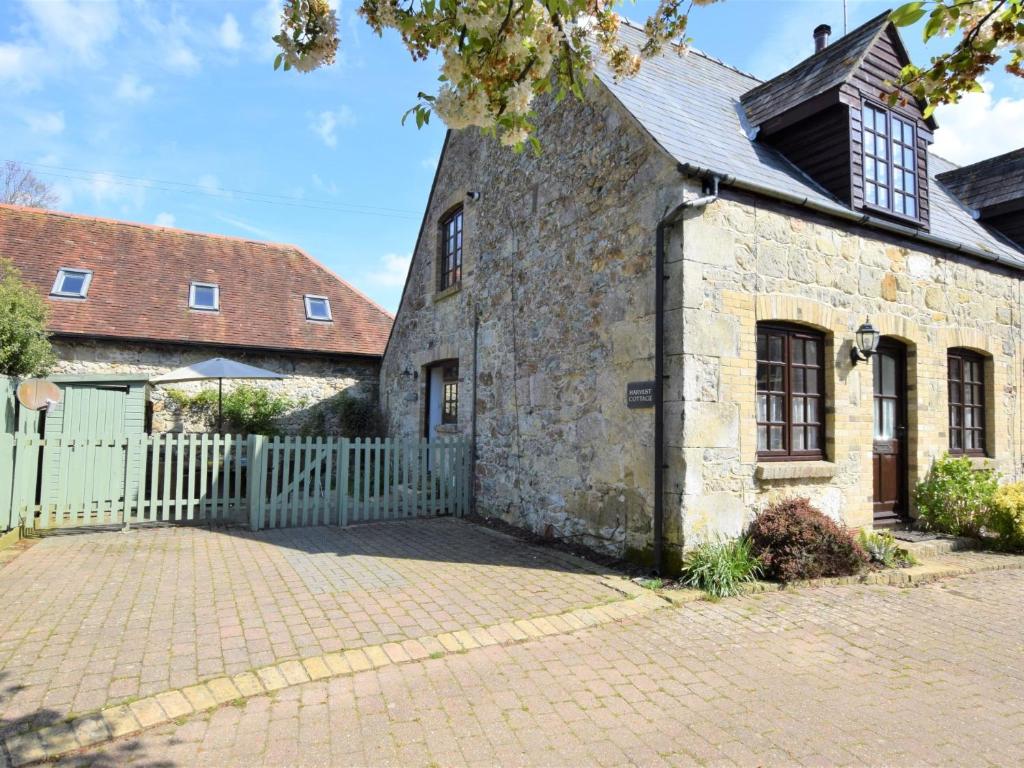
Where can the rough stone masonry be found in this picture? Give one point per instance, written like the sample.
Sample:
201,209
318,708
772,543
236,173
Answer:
558,279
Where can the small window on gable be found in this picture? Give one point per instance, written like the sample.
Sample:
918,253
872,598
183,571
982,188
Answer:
205,296
450,267
890,162
318,308
72,283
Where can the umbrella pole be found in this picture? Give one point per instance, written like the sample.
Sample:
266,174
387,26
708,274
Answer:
220,405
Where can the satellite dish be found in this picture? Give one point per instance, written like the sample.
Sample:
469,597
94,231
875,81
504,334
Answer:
36,394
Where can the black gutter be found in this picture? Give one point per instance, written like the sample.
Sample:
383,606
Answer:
838,211
668,220
476,378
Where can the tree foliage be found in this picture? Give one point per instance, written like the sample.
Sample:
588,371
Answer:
248,409
498,55
987,30
24,344
19,186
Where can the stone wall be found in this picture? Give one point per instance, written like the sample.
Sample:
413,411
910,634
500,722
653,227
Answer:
312,380
558,262
743,261
557,267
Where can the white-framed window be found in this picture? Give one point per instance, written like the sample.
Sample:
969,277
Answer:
205,296
73,283
318,308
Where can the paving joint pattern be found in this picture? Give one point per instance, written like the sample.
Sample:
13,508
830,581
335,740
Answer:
95,728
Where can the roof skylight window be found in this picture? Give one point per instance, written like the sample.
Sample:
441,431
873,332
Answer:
204,296
72,283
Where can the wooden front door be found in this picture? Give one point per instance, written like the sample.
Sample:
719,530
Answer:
890,433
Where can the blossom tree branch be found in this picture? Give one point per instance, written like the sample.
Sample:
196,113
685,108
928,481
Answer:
497,56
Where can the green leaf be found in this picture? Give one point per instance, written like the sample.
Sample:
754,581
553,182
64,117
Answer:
934,23
277,61
907,14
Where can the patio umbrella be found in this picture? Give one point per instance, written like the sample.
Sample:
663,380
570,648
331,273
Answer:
218,368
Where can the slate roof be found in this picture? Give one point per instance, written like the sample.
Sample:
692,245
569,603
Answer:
691,106
989,182
141,278
813,76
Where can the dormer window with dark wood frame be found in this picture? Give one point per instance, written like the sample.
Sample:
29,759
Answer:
829,117
890,161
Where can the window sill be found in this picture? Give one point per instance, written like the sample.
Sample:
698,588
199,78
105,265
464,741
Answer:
449,291
795,470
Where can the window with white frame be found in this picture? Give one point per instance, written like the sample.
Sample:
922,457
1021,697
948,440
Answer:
205,296
72,283
318,308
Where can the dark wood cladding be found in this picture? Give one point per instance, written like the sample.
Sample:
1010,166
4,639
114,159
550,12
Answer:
1009,224
826,140
820,147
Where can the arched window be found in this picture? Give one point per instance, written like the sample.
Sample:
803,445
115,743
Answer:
966,402
790,392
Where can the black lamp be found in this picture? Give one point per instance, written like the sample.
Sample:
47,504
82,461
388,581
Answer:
867,342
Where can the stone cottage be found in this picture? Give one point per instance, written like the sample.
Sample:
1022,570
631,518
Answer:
709,291
129,298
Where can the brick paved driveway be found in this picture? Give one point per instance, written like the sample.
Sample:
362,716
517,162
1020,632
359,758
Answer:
90,619
834,676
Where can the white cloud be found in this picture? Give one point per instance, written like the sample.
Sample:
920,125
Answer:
107,189
80,27
979,126
326,124
131,88
209,183
328,187
391,271
229,33
180,58
48,123
21,65
164,219
245,226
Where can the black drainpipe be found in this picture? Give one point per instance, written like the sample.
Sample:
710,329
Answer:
710,194
476,381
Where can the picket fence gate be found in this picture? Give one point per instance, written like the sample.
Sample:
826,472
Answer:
265,482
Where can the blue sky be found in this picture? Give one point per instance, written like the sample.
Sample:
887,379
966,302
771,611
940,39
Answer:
171,113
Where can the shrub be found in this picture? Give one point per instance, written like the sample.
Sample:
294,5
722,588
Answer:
955,498
794,540
248,409
883,549
344,414
1006,516
721,568
24,344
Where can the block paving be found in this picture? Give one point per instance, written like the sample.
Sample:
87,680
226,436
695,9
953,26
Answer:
836,675
95,619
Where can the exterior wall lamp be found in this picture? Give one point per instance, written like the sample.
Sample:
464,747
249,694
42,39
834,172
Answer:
867,342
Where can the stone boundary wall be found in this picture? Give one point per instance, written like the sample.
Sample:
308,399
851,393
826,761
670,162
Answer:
312,380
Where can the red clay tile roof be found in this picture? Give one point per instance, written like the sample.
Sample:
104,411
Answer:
141,278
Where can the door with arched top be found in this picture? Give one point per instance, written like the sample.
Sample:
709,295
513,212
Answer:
890,433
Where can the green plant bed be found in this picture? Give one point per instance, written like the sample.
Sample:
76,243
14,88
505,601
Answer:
720,568
884,551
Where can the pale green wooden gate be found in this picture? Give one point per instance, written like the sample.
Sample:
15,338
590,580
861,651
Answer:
86,459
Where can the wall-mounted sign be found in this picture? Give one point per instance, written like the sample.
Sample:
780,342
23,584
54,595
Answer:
640,394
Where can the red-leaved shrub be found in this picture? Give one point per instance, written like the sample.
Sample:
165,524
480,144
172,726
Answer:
794,540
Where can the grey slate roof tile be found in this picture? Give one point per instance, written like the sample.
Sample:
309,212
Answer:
988,182
814,75
691,106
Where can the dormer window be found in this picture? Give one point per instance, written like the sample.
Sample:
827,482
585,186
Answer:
204,296
890,167
318,308
72,283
